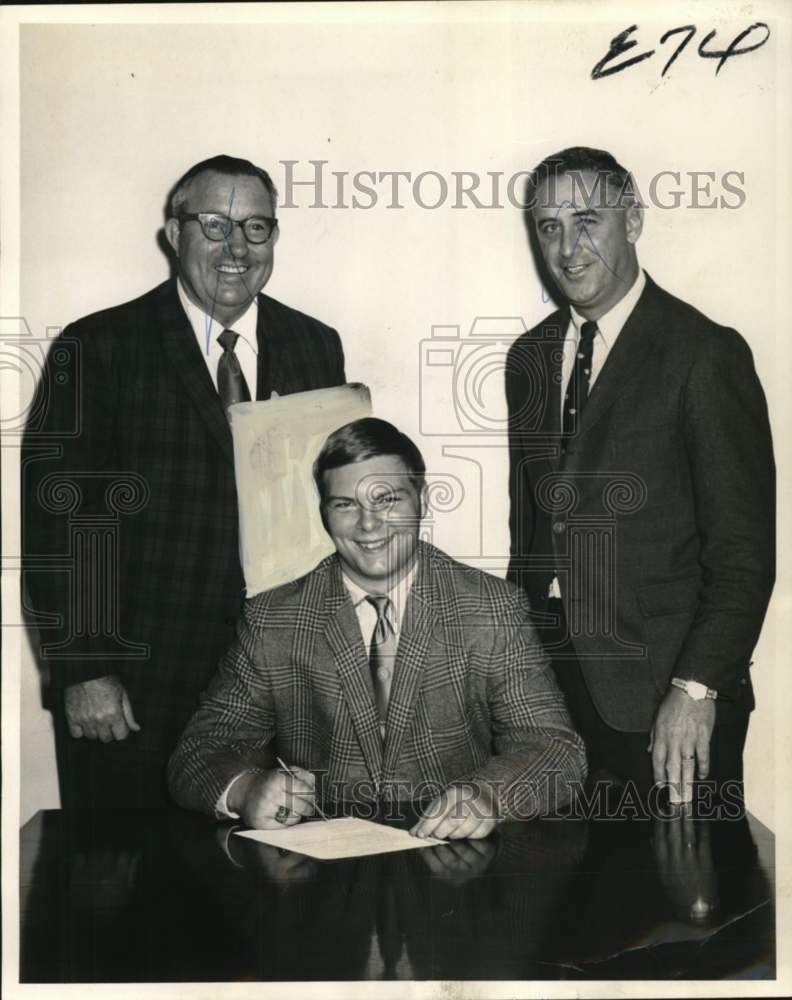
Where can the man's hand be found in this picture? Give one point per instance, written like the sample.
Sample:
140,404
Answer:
459,862
685,866
259,796
99,710
275,863
460,811
284,867
680,742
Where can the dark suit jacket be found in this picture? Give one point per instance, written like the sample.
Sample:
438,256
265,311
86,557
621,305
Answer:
127,396
473,696
659,516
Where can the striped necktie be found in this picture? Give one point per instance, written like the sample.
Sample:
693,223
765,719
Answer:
382,654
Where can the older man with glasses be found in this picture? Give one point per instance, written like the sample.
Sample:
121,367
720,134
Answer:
155,377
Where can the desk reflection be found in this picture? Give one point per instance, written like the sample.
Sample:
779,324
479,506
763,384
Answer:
174,897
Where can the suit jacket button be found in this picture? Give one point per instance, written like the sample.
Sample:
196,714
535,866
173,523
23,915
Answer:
559,527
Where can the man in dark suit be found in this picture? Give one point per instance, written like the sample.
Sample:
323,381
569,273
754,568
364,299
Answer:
139,494
642,492
390,671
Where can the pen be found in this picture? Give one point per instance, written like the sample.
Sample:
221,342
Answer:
288,770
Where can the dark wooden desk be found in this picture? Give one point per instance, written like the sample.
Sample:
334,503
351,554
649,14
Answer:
173,897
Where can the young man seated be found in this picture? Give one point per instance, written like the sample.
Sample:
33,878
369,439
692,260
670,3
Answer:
388,673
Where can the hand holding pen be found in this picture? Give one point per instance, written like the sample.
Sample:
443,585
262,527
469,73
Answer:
273,799
291,772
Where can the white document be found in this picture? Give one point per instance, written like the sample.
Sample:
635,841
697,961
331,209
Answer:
340,838
281,536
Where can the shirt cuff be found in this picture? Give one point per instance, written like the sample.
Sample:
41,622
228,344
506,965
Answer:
221,806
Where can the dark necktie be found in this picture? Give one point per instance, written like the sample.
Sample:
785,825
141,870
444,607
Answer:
578,389
382,654
231,384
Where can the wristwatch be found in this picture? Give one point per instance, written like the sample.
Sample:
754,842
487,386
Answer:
696,690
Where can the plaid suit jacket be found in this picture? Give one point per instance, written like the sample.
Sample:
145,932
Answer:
127,398
473,697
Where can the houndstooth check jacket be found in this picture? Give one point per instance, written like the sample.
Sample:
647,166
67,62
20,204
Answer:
473,697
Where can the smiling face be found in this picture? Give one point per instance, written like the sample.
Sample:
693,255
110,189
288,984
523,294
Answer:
588,246
372,512
223,278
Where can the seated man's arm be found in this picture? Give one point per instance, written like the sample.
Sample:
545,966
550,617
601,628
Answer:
536,754
231,731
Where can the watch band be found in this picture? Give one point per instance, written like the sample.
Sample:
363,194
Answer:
696,690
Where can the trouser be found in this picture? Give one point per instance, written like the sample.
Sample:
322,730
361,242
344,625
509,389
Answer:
125,774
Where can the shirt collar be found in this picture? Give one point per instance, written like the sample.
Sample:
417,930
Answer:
610,325
208,329
397,594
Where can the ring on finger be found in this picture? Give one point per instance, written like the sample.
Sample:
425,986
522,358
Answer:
282,814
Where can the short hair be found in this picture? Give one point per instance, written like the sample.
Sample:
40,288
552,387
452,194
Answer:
228,166
368,438
582,159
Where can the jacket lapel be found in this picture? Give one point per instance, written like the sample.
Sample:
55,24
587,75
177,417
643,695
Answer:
281,365
349,653
634,346
264,347
553,333
543,438
417,632
183,354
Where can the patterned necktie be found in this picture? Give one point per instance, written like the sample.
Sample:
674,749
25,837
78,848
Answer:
578,389
382,654
231,384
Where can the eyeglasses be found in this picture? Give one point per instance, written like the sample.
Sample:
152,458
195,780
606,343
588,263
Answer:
217,228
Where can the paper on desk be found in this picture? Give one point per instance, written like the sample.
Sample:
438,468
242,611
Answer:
340,838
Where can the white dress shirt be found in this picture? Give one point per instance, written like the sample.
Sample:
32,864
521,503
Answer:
609,327
207,330
367,620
